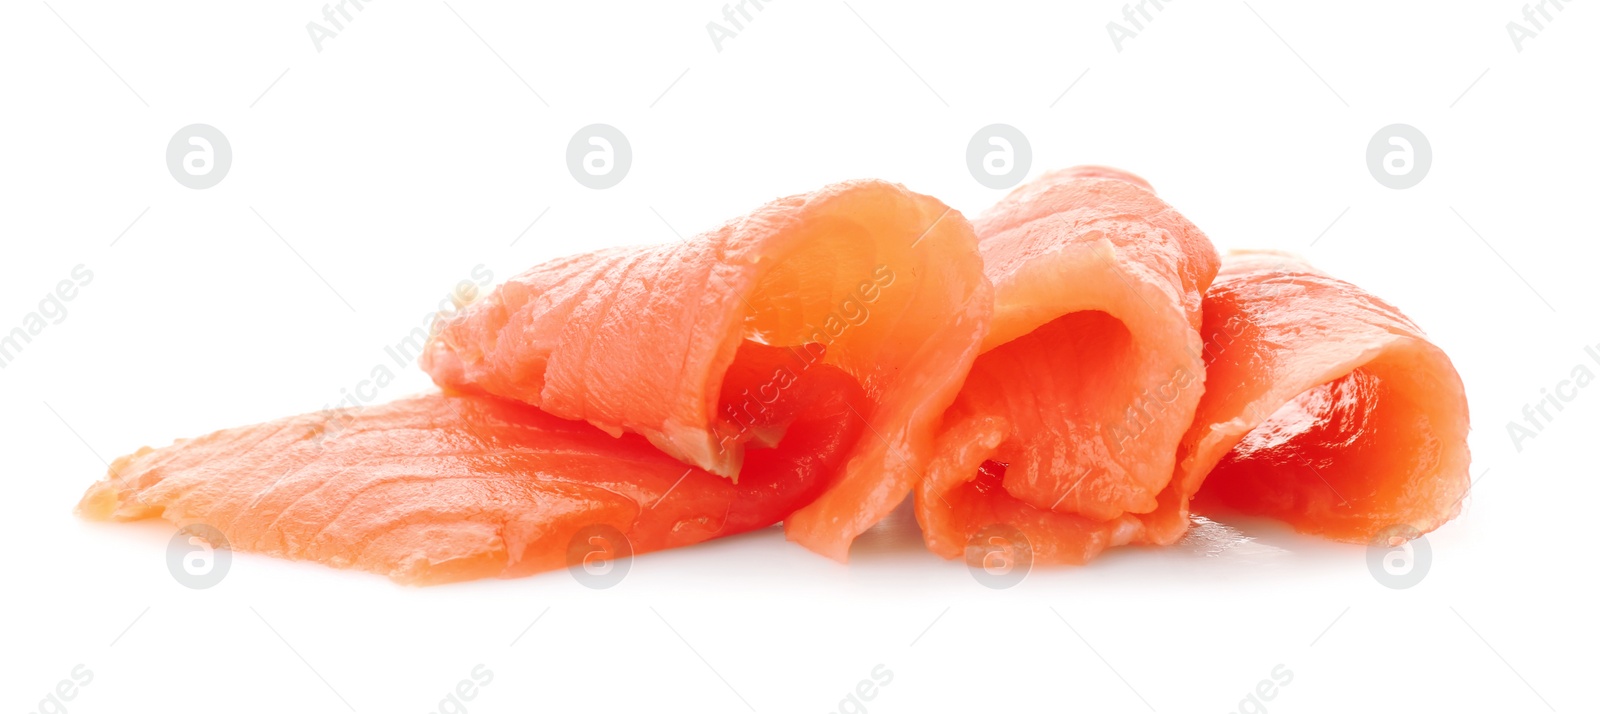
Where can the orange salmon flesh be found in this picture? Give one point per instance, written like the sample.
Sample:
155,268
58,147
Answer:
1077,365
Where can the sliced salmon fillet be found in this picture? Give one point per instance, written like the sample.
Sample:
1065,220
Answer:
441,488
1068,425
880,282
1325,407
1055,375
790,365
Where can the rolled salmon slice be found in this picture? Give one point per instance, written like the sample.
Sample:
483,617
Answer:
1067,428
884,284
790,365
1325,407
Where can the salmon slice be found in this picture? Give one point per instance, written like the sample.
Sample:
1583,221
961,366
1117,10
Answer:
884,284
1068,425
1325,408
441,488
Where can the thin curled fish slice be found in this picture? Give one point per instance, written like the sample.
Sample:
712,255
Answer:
882,283
1325,408
1067,428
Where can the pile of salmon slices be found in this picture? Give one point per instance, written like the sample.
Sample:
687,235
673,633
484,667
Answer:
1076,367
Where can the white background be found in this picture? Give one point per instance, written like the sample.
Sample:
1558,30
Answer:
410,149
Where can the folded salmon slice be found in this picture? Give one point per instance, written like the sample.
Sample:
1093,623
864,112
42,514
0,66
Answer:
882,283
790,365
1058,377
1325,407
1068,426
441,488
